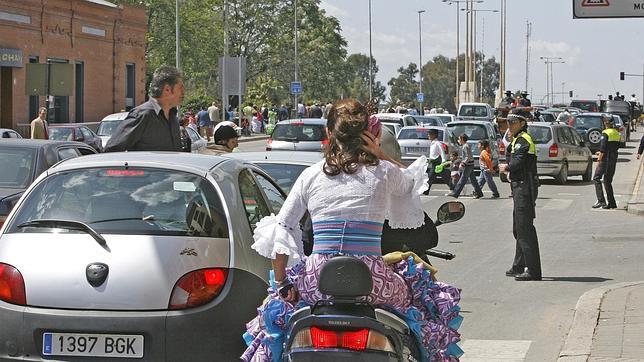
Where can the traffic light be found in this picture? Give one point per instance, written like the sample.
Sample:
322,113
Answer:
621,75
570,94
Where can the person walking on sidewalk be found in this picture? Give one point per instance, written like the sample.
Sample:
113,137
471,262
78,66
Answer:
467,170
487,168
524,183
606,164
39,125
435,158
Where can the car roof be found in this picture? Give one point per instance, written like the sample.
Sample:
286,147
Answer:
456,123
391,116
424,127
115,116
191,162
66,125
313,121
296,157
593,114
29,143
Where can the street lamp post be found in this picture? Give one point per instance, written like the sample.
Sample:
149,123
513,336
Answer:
549,83
420,63
476,11
370,57
296,60
176,32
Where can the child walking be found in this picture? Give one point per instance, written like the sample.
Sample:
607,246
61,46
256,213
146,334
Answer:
487,168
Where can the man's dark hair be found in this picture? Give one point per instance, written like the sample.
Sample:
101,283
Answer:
484,143
433,131
166,75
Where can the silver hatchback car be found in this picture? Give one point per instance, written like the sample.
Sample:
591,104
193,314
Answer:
414,142
308,134
134,255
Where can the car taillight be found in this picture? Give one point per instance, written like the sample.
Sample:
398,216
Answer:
553,151
269,143
445,149
501,147
621,129
358,340
12,286
324,143
197,288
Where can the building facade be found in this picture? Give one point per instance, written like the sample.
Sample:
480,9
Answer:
104,44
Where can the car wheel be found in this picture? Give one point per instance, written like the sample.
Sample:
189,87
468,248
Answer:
594,136
588,175
562,177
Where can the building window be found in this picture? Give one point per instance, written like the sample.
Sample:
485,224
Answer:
79,91
34,101
129,86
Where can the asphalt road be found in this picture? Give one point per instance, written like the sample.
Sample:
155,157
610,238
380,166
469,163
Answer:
581,249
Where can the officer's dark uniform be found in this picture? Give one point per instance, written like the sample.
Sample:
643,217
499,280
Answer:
524,182
609,145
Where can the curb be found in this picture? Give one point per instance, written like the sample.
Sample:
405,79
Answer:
579,340
634,206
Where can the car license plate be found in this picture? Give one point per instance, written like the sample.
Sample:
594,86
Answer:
92,345
417,149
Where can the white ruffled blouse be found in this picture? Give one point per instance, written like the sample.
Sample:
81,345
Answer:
372,193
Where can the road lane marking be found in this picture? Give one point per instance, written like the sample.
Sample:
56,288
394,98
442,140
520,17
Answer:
567,194
556,204
480,350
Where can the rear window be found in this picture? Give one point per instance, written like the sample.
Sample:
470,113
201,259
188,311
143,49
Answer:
472,111
588,122
540,135
17,166
298,132
107,128
588,106
284,174
474,132
429,121
417,133
127,201
60,134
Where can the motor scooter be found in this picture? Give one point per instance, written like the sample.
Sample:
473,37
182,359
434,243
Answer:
347,328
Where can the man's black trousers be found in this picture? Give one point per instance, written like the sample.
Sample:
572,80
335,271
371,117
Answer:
606,170
527,244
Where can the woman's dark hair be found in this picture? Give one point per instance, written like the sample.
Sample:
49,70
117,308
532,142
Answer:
464,137
346,121
484,143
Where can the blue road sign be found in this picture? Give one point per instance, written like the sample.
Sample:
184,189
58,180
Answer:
420,97
296,87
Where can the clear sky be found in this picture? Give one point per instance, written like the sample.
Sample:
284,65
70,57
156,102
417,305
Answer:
594,50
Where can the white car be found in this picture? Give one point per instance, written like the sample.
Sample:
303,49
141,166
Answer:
109,124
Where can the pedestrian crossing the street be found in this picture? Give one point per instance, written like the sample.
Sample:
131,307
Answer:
484,350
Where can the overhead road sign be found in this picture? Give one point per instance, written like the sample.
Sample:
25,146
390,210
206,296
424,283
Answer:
607,9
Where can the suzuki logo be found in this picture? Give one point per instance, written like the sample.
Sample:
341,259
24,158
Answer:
96,273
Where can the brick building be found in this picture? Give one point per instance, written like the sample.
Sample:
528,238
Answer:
104,42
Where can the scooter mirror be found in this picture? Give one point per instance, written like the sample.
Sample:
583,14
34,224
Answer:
450,212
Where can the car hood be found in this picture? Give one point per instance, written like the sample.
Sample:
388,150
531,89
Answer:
7,192
143,269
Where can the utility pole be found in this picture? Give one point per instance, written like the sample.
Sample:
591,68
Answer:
224,96
370,56
503,35
420,62
177,50
296,63
527,52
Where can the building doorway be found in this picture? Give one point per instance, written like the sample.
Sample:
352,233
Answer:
6,97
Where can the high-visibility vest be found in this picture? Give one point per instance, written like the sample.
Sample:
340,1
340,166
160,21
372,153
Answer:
612,134
532,149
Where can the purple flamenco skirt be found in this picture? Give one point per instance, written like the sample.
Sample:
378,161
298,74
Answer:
430,308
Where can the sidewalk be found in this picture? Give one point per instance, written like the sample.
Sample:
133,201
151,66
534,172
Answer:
636,202
608,325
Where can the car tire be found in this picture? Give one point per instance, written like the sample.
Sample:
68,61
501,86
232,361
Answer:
588,174
562,177
594,136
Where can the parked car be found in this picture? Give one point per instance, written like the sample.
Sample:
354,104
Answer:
9,133
135,255
589,126
109,124
561,152
475,112
307,134
414,142
586,105
22,160
447,118
402,119
429,120
190,137
392,126
75,132
476,131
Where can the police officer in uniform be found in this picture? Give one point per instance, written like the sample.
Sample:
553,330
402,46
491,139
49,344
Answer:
606,162
523,177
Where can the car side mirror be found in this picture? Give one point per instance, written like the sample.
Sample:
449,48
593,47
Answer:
450,212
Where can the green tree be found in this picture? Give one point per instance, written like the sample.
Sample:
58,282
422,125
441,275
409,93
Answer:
358,80
405,86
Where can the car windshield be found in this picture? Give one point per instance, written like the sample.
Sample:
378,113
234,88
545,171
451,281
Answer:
127,201
107,128
472,111
588,122
17,165
539,134
60,134
284,174
474,132
417,133
428,121
588,106
298,132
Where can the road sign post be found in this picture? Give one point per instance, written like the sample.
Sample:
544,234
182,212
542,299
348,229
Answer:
296,87
420,97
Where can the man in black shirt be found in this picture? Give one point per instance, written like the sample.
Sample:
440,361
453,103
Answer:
153,126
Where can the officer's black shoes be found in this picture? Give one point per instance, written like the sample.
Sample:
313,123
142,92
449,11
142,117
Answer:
513,272
526,275
599,204
606,207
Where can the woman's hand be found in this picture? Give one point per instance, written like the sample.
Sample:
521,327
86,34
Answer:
371,145
288,292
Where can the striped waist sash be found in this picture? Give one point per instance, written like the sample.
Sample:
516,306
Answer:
347,237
